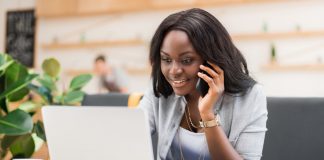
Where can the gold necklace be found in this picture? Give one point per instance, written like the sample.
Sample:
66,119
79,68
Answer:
187,121
192,124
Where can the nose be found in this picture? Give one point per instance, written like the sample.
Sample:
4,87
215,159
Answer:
176,68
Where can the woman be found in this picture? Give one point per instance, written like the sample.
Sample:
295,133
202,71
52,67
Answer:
229,122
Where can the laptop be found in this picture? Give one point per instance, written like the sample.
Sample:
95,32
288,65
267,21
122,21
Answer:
101,133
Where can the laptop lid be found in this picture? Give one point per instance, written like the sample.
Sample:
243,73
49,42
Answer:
87,133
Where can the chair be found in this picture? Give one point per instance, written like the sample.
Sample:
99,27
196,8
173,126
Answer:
112,99
295,129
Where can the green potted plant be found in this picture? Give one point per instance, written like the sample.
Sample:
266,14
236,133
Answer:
16,125
19,135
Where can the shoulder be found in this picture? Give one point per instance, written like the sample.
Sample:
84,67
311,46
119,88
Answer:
255,94
253,100
252,95
257,89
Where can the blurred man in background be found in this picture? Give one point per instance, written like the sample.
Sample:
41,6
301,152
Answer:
111,78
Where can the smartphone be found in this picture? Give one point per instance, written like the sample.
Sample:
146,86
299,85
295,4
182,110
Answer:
202,85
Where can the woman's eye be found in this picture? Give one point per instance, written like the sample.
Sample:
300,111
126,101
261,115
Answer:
186,61
167,60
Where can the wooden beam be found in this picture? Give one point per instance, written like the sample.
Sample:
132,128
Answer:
89,8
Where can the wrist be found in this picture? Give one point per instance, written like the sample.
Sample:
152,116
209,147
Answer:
207,116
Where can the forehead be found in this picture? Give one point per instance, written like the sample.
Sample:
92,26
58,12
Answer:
177,42
176,38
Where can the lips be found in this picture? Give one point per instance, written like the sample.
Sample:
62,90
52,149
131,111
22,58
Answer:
178,83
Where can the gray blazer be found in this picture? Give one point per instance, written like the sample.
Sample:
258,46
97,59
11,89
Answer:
243,119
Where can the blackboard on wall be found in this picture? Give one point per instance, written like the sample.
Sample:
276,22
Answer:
20,36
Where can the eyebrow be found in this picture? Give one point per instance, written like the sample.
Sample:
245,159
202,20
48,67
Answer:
181,54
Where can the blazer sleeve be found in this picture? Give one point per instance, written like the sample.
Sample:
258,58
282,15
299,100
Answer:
249,143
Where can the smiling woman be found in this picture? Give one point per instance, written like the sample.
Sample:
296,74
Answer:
229,121
179,62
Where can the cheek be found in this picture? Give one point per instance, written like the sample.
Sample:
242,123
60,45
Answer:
164,70
194,70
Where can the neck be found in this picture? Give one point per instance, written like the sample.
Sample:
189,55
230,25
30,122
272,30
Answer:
192,97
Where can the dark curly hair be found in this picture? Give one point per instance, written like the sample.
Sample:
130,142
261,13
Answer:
210,40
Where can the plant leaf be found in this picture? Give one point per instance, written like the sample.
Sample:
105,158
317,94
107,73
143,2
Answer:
29,106
18,85
3,105
3,58
16,122
18,95
23,147
39,130
14,73
4,66
2,84
79,81
43,92
58,99
73,97
7,141
5,144
5,61
48,82
51,67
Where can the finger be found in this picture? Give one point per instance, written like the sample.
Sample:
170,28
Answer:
216,68
210,71
208,80
217,77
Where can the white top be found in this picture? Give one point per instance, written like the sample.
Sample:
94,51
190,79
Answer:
193,145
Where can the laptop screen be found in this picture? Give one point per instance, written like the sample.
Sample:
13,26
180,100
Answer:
96,133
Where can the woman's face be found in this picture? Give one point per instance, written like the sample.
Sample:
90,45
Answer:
180,62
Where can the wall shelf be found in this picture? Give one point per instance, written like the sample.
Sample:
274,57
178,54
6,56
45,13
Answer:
278,35
293,67
134,42
129,71
94,44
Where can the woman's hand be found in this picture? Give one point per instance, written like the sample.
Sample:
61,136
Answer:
216,89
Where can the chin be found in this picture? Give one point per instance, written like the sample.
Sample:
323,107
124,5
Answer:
181,92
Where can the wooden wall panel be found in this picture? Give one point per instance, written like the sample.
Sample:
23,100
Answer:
56,8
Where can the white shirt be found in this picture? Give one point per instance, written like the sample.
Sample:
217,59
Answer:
192,145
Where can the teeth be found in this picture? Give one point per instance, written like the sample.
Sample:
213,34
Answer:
177,82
